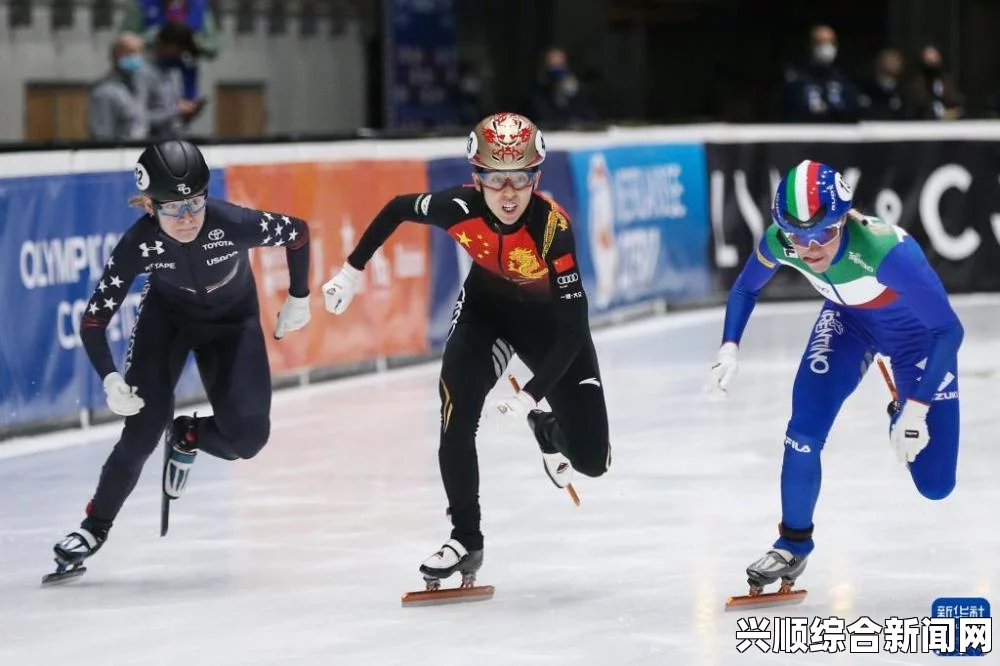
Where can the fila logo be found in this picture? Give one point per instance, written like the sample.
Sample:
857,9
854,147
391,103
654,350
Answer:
565,280
157,247
183,189
216,234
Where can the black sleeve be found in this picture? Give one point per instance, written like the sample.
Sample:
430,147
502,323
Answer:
441,209
261,228
123,266
570,307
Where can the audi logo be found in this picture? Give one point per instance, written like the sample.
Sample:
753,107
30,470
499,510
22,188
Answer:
568,279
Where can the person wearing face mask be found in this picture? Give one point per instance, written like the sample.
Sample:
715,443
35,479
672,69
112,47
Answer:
522,295
557,98
884,90
932,91
116,109
200,297
817,91
881,297
169,112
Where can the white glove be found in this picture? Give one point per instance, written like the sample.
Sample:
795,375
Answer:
293,316
909,435
723,372
510,412
338,292
122,398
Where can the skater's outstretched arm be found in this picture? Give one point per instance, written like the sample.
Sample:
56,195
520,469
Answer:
443,209
757,271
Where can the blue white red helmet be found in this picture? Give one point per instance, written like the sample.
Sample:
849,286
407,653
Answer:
811,198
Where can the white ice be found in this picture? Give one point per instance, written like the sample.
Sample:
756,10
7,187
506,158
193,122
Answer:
300,555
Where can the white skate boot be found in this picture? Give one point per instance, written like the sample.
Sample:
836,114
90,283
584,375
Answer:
452,557
177,466
557,466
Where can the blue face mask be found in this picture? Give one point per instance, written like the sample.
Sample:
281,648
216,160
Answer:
130,63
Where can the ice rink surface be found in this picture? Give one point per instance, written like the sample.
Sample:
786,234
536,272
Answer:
300,555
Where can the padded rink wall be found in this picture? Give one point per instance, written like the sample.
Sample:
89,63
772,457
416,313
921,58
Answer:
663,218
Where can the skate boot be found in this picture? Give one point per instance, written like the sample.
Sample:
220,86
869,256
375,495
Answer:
71,552
181,440
776,563
557,466
452,557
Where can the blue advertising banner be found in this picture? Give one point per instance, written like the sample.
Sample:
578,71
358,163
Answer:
56,237
449,262
642,224
421,81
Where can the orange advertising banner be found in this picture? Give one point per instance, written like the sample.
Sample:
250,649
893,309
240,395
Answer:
389,314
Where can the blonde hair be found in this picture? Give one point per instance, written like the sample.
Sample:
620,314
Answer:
142,201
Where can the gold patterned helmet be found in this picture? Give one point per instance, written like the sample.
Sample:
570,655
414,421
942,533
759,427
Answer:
506,141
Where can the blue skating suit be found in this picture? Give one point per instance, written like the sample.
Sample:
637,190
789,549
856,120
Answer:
881,296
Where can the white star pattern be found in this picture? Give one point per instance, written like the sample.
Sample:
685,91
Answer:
268,215
101,286
109,303
111,262
285,218
92,309
263,224
116,281
267,240
279,243
293,234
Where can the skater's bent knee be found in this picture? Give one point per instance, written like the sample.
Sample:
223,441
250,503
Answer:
255,432
936,490
593,466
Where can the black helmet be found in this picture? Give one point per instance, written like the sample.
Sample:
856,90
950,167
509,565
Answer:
171,170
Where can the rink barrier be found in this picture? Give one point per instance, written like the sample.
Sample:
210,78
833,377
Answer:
663,217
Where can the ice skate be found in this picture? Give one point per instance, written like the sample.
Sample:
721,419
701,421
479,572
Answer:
557,466
452,557
71,552
776,563
178,464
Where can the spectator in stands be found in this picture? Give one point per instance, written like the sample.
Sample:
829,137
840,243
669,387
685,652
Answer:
817,91
147,17
932,91
883,92
116,110
557,98
169,113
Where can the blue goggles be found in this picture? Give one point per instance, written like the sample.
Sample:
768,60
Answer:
822,237
192,205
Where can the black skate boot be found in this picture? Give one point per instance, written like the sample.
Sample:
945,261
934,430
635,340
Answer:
182,454
557,466
71,552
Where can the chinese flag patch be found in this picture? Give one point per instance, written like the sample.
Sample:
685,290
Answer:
564,263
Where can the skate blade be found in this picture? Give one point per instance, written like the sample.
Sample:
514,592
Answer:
58,577
572,494
448,596
765,600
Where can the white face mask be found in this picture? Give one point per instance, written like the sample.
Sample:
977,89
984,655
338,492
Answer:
825,53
